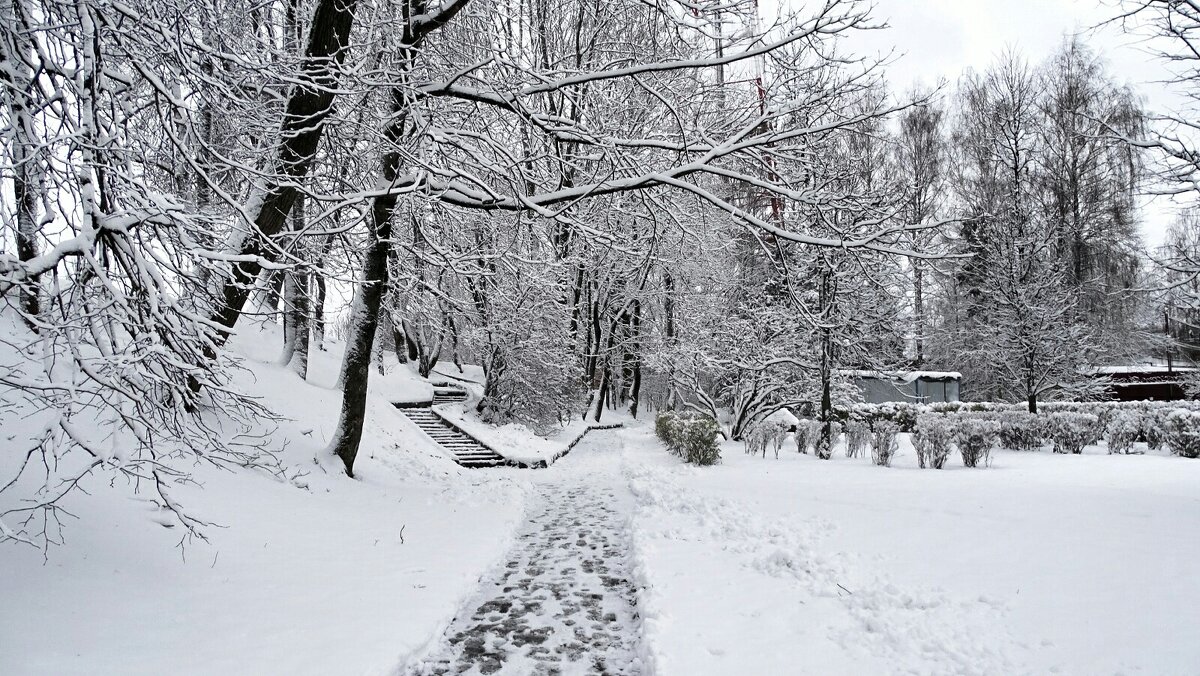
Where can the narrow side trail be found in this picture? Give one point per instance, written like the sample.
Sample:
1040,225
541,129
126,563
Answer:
562,602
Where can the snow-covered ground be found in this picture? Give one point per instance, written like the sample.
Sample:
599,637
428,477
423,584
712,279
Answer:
342,577
1041,563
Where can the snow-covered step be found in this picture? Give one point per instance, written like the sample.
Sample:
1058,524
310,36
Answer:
466,450
448,393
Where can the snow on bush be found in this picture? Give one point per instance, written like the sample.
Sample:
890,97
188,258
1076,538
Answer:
883,442
691,436
1020,431
807,432
903,414
1072,431
1181,431
976,437
767,434
933,437
823,444
1154,428
754,441
858,437
1122,430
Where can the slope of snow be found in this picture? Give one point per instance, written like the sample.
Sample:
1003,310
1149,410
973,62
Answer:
330,575
521,444
1041,563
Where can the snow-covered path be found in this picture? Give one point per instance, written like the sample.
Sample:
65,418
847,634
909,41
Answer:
562,601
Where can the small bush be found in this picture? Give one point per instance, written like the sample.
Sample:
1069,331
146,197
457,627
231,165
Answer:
807,432
1181,431
883,442
976,438
1123,429
690,436
935,432
1020,431
823,445
662,425
858,437
755,441
767,434
1153,426
1072,431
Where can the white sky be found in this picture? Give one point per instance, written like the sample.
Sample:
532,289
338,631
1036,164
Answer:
940,38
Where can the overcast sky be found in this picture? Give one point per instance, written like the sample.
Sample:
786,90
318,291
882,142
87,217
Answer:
939,38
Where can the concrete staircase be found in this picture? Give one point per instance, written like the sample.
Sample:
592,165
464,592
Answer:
466,450
445,393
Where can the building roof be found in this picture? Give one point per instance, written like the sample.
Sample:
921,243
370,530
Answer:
905,376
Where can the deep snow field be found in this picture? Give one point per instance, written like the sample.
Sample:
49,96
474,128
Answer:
1040,563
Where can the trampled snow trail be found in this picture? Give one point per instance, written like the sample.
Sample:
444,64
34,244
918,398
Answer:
562,603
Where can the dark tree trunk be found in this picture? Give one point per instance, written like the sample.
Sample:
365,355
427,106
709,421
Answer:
669,307
824,447
1032,400
635,388
606,375
27,181
361,340
272,291
401,343
602,395
296,305
576,297
318,313
919,310
300,133
356,367
411,345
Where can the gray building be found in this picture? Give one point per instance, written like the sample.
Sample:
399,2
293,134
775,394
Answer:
918,387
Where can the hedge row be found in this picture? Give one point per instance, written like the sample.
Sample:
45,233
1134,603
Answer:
1069,431
691,436
905,414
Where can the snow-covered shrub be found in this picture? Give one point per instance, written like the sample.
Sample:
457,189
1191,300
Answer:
767,434
699,440
932,439
666,428
823,445
858,437
883,442
691,436
1154,428
1181,430
1123,429
1020,431
807,432
976,437
755,441
903,414
1072,431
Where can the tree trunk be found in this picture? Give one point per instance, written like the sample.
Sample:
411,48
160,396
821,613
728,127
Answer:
272,292
635,388
296,303
824,447
361,339
401,343
919,310
669,307
300,133
602,395
356,365
319,311
1032,400
17,80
